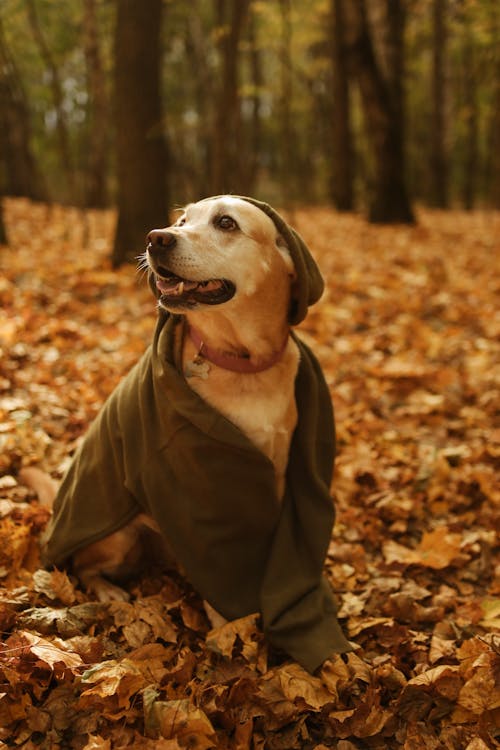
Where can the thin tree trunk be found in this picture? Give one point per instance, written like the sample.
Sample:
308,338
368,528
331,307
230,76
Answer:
98,141
493,166
3,233
438,160
288,150
200,178
471,157
65,156
382,108
251,165
141,149
22,175
226,153
342,145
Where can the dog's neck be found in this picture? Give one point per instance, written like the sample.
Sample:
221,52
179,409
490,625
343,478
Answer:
252,327
234,361
255,342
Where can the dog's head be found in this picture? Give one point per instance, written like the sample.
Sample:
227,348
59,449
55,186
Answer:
224,250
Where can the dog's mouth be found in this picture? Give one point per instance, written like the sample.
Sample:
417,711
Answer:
178,292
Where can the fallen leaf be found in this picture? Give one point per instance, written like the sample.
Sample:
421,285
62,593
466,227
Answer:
182,721
438,549
51,653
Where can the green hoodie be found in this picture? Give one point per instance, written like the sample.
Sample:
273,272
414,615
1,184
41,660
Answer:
157,447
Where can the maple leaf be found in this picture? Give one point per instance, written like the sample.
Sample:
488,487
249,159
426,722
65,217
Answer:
438,549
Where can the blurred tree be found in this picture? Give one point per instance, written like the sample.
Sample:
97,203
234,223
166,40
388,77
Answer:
470,115
288,150
98,131
438,158
342,142
254,144
141,151
383,108
21,173
493,125
195,171
227,159
63,140
3,233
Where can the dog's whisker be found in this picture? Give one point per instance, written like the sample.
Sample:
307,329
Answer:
143,264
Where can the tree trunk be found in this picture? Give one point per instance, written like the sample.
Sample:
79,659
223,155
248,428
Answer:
22,176
288,149
141,151
253,146
383,111
98,140
63,140
199,183
226,150
3,233
493,166
342,145
438,160
471,156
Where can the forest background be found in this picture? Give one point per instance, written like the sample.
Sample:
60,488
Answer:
366,105
374,127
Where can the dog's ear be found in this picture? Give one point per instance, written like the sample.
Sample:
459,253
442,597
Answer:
308,285
285,254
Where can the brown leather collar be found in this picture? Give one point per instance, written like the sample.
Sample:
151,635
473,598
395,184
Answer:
234,362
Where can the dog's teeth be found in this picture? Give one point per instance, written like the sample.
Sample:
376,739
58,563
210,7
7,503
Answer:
180,288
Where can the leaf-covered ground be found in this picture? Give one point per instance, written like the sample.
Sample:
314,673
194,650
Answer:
407,335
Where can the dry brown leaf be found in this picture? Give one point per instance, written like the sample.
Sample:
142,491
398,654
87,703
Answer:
242,634
112,686
62,588
301,688
96,742
182,721
477,744
52,653
438,549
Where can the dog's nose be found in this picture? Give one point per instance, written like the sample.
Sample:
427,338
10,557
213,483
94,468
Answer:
161,238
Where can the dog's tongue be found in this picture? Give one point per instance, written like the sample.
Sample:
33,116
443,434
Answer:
175,286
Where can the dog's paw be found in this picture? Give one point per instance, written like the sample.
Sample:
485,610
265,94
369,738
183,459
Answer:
216,620
40,482
105,591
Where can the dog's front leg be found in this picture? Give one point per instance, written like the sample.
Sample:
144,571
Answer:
115,554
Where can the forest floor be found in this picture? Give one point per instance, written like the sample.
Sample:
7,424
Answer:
407,334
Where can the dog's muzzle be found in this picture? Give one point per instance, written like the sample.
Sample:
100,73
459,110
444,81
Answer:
177,292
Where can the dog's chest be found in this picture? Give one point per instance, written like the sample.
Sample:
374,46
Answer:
261,405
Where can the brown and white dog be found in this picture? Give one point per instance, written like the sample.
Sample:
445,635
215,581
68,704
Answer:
225,267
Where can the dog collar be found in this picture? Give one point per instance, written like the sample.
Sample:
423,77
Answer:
234,362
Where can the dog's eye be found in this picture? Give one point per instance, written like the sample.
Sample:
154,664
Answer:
226,222
180,222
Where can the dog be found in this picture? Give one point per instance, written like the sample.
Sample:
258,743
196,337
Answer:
224,266
216,451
